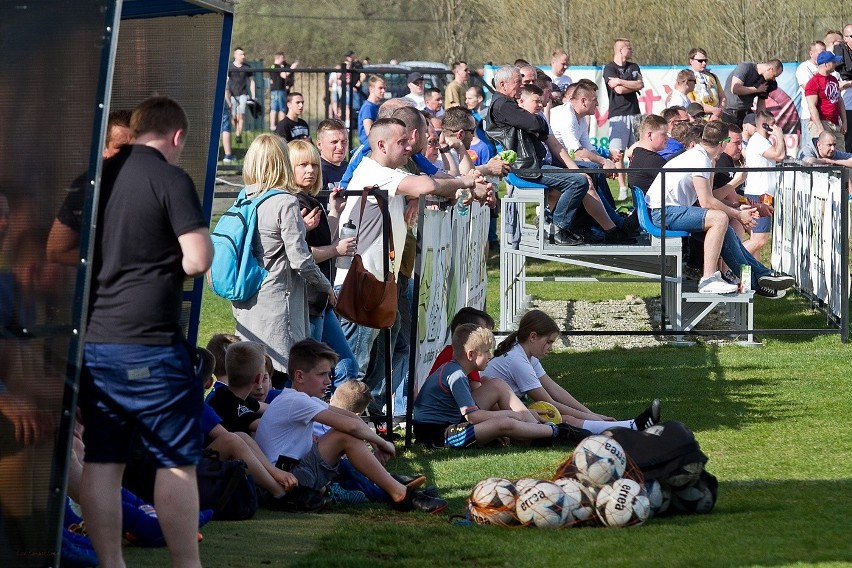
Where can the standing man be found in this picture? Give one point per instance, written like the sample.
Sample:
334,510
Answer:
623,79
844,50
370,109
558,66
434,102
747,82
808,68
708,88
138,380
281,82
415,90
240,86
454,93
763,152
294,127
826,107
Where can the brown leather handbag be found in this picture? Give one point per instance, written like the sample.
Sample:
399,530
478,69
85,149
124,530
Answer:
363,298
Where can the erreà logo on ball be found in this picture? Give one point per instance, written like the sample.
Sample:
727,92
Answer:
623,496
531,498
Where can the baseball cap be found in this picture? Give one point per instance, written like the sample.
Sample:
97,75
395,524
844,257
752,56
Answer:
414,76
828,57
349,53
695,110
749,118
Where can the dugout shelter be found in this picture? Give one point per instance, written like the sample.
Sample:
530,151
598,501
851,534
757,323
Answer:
67,64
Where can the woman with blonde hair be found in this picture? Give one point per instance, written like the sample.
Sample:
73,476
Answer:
278,315
326,247
516,361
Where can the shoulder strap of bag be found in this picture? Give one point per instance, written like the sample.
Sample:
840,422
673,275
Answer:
387,229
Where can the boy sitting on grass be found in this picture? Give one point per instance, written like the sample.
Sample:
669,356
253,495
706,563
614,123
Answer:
245,364
285,433
217,346
446,414
278,490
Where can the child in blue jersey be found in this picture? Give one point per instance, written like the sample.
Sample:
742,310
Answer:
446,413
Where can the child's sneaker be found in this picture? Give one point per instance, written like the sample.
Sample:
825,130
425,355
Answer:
347,496
419,501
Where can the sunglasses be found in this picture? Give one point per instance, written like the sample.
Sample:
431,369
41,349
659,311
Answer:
700,60
434,142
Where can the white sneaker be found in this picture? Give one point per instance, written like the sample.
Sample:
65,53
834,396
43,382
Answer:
716,285
622,193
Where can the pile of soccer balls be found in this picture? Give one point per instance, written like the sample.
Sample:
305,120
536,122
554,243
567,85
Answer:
592,489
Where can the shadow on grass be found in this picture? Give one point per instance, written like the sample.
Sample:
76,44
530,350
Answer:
761,523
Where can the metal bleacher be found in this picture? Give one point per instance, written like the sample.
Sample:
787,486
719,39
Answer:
682,306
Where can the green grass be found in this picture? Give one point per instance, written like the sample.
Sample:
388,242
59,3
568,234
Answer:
774,422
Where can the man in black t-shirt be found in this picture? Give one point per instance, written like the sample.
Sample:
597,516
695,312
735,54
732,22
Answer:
623,80
138,385
240,86
293,127
281,81
652,138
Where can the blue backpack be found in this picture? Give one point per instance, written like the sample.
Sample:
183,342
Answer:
235,273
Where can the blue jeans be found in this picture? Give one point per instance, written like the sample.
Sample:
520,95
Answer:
326,328
602,187
278,101
375,376
360,339
572,187
691,219
402,350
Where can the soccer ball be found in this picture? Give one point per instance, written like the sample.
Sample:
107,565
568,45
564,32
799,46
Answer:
658,496
542,505
600,460
685,475
546,411
581,501
624,503
656,430
492,502
697,499
525,482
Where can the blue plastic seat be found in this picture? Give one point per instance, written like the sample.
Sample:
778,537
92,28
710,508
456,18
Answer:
645,218
521,183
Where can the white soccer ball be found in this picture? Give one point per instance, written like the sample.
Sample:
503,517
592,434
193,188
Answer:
656,430
600,460
525,482
580,502
542,505
492,502
624,503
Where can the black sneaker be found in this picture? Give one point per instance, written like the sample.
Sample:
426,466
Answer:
297,500
239,138
617,236
419,501
649,417
567,238
770,293
776,281
572,433
411,481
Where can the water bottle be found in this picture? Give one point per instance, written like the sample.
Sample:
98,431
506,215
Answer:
347,230
462,208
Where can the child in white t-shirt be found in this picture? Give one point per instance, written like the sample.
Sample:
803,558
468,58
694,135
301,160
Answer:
285,433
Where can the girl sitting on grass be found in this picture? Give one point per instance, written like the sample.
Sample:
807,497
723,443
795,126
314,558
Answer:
516,361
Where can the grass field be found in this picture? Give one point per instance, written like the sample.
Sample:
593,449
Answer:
774,422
